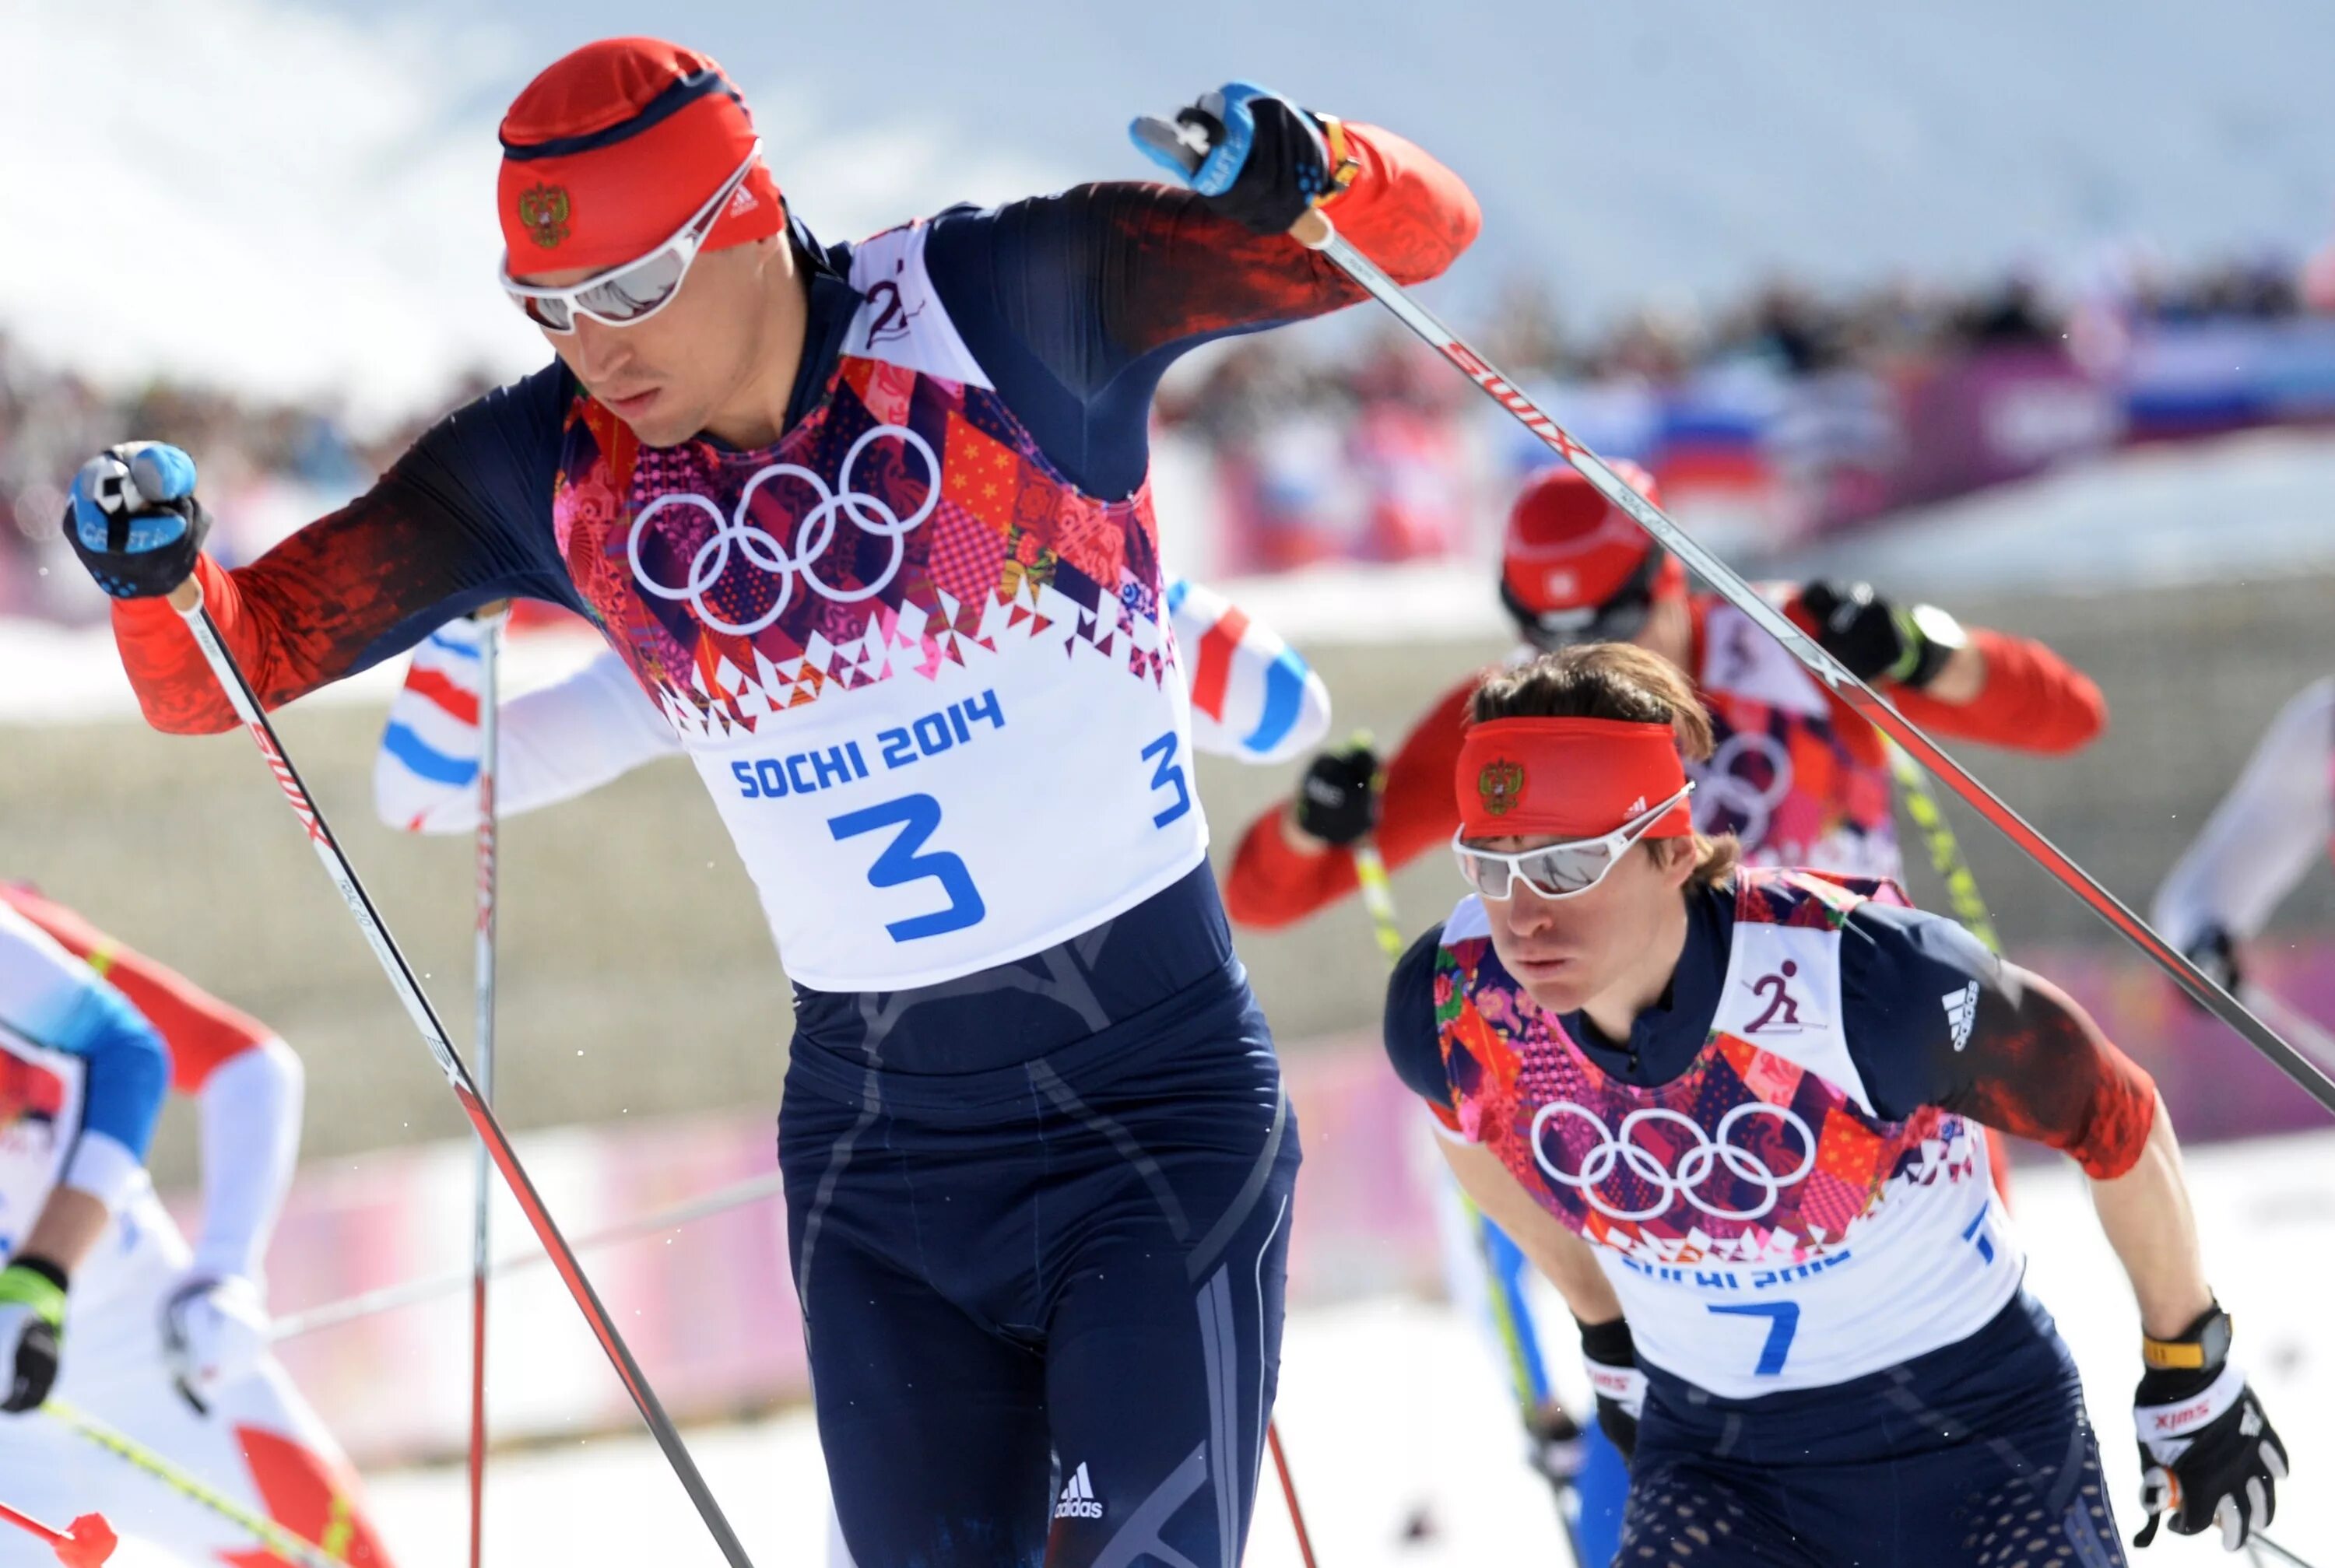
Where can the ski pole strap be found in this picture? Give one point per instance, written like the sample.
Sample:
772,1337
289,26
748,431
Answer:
282,1542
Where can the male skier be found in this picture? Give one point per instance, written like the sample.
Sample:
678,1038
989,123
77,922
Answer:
1740,1119
101,1299
869,524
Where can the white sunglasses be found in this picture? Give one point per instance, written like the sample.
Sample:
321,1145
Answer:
624,296
1563,870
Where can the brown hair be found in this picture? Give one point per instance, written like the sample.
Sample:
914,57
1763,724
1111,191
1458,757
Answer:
1613,680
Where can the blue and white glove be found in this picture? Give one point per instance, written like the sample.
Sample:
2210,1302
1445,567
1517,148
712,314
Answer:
1253,155
134,521
214,1332
31,1333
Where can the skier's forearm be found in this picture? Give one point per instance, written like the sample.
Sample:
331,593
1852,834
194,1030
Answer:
1179,272
2011,692
2147,1215
68,1230
251,1143
1563,1258
2266,833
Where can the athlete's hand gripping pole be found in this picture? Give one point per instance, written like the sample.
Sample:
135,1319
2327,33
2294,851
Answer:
1315,230
483,981
87,1543
187,600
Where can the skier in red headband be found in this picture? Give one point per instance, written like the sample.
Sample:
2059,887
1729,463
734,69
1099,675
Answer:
1742,1119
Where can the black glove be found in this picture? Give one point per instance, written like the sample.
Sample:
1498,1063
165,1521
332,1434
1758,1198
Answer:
1254,156
1555,1443
134,519
2217,956
1338,802
1612,1358
1876,639
2208,1456
32,1331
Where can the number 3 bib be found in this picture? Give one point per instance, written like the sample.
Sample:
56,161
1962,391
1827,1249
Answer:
930,684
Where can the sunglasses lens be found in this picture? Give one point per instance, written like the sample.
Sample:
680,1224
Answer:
637,290
551,315
1566,869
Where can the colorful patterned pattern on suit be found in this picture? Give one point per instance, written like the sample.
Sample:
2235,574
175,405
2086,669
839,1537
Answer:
1746,1157
839,557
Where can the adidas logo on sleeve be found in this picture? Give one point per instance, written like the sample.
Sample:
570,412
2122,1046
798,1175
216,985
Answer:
1078,1501
1961,1012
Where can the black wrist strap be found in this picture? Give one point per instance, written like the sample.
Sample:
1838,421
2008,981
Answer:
42,1267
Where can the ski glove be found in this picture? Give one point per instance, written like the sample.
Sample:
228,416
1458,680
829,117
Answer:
2216,956
2208,1455
1612,1358
134,521
1338,801
1556,1447
32,1331
1253,155
1876,639
214,1334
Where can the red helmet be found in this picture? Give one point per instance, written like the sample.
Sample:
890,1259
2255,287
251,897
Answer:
1574,568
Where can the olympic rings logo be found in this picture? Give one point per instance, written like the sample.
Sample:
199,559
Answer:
1727,798
1710,1153
813,534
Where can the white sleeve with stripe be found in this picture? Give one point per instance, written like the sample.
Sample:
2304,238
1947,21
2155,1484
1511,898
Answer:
1252,696
560,741
2276,821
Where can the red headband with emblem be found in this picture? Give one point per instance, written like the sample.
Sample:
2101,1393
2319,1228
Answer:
1568,778
618,145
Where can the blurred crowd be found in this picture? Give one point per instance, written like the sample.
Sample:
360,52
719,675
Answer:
1788,412
266,467
1791,411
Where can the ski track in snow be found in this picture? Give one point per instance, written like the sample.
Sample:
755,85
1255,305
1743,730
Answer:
1393,1411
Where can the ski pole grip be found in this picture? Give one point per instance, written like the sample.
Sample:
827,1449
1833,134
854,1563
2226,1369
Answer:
187,598
1314,230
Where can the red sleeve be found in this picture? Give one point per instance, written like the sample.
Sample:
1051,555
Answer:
201,1031
1196,274
2032,700
1272,884
463,517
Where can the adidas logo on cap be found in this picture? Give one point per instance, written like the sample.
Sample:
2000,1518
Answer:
1078,1500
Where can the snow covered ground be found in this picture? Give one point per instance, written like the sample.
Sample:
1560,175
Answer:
1402,1444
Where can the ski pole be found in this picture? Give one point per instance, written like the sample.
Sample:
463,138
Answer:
2256,1538
87,1543
284,1543
187,600
483,981
1289,1495
411,1292
1315,230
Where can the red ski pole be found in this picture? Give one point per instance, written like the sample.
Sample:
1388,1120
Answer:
187,600
87,1544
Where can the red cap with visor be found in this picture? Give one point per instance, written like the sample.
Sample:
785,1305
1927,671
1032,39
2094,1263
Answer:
615,147
1572,561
